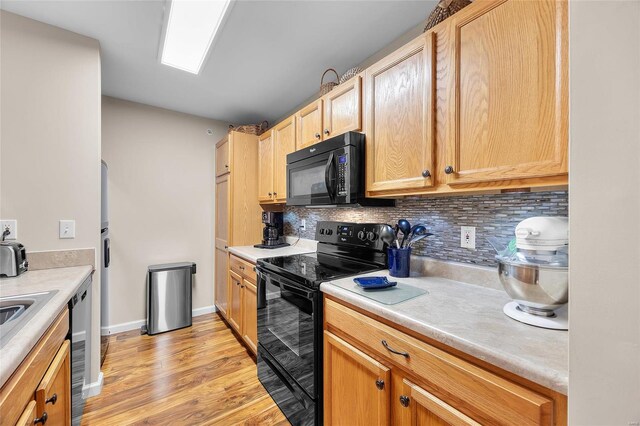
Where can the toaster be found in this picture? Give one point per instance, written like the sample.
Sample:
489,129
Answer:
13,259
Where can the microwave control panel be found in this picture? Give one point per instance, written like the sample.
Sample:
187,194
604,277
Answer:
343,173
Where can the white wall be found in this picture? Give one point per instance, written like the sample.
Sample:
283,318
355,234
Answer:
604,202
50,139
161,198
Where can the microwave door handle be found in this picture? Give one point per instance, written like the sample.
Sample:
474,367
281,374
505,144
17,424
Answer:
327,177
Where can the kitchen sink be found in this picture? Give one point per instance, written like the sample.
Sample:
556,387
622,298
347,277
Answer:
16,311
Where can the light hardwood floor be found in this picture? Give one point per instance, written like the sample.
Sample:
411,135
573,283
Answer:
195,376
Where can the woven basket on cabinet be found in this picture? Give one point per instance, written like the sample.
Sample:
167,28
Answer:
327,87
443,10
252,129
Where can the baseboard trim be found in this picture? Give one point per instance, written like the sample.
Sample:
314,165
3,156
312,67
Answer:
135,325
93,389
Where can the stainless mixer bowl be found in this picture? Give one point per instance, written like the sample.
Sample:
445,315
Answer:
537,289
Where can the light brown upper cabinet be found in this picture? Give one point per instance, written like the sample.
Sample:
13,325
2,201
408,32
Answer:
509,80
309,125
222,157
399,123
343,108
265,167
284,137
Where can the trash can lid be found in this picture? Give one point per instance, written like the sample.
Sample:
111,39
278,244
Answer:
170,266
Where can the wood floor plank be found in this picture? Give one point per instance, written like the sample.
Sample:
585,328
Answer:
200,375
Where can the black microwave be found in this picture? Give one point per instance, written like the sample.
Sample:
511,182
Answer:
330,173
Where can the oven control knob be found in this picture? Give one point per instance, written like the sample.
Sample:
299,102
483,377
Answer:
328,232
361,236
321,231
371,236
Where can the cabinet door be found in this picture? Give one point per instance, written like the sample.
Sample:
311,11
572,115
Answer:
343,108
235,301
28,415
420,407
309,125
250,315
221,290
222,212
511,102
265,167
53,394
284,136
222,157
356,386
400,110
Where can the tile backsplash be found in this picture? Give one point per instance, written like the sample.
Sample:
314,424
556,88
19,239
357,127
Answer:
494,215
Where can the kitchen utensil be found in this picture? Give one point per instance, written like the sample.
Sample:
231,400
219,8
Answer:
535,274
417,238
388,235
374,282
405,228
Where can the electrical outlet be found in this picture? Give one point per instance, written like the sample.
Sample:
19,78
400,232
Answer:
303,225
12,226
67,229
468,237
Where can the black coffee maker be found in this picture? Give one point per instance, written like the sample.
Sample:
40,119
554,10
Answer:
272,234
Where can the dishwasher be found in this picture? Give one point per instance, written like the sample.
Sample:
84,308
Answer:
80,337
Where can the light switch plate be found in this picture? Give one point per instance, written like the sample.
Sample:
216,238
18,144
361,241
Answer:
12,226
303,224
67,229
468,237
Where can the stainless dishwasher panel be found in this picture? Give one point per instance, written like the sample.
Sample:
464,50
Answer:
169,297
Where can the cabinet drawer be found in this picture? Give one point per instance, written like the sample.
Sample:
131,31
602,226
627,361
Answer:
243,268
491,398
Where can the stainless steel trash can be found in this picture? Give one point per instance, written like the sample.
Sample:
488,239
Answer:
169,296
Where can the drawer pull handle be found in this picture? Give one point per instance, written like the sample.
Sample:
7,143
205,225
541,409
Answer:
42,419
404,400
52,400
393,351
380,384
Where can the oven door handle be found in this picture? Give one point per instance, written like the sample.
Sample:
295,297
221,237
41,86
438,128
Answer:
296,290
328,181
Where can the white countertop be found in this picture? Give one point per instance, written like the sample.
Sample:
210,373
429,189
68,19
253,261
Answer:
470,318
252,254
66,281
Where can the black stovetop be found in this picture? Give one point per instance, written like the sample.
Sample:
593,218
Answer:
316,268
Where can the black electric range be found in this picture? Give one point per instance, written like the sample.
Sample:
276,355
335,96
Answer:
290,313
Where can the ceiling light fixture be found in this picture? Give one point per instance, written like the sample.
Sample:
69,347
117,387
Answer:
189,32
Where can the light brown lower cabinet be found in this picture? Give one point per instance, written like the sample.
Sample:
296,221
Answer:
39,391
377,374
242,301
356,386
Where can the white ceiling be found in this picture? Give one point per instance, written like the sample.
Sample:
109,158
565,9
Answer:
267,59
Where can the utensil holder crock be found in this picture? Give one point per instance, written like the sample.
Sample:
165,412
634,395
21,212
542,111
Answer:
399,261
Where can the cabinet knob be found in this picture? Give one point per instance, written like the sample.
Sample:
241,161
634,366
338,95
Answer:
226,166
270,194
326,131
404,400
226,247
448,170
426,173
52,400
317,135
380,384
42,419
275,193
